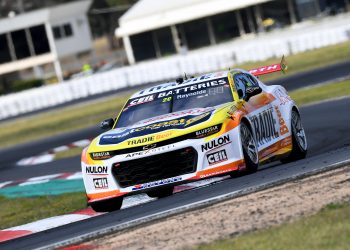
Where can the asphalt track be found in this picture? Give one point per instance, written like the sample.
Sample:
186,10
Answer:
328,130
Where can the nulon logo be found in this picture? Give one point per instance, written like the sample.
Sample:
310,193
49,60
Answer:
216,143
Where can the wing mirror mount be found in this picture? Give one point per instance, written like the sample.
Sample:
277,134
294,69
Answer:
252,91
107,124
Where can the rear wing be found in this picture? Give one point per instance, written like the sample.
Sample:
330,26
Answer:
282,66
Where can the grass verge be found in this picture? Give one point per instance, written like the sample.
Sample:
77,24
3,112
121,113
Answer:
322,92
19,211
328,229
83,115
58,121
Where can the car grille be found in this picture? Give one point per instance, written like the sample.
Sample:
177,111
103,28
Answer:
157,167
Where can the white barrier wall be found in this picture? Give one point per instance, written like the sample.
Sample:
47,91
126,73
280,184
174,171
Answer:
220,57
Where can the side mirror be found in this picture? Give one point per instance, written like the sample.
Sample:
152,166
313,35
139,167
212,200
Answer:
107,124
251,91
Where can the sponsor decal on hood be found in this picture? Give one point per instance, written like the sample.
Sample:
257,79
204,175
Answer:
178,123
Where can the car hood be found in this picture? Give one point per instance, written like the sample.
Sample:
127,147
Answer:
160,128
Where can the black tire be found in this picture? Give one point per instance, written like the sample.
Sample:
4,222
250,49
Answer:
250,149
161,193
299,141
107,205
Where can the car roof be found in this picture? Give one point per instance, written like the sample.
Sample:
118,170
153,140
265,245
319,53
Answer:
174,85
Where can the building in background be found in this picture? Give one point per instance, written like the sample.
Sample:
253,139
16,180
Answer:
39,40
156,28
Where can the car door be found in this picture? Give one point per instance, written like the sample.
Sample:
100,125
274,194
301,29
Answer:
259,111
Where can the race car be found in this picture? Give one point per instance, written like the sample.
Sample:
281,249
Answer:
211,125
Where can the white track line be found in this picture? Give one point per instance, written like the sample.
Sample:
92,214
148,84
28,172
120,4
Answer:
49,155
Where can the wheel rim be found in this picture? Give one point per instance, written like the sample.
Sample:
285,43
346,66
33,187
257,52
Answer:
249,144
298,130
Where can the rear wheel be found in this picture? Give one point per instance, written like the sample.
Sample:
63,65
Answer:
299,142
160,193
107,205
250,149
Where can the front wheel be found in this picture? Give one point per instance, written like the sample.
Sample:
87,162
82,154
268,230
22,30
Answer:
107,205
299,142
250,149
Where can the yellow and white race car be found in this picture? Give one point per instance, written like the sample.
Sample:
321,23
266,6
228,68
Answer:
211,125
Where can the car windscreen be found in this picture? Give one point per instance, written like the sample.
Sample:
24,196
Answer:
199,95
142,108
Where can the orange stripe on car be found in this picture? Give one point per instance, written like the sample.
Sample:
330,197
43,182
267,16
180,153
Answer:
104,195
219,170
